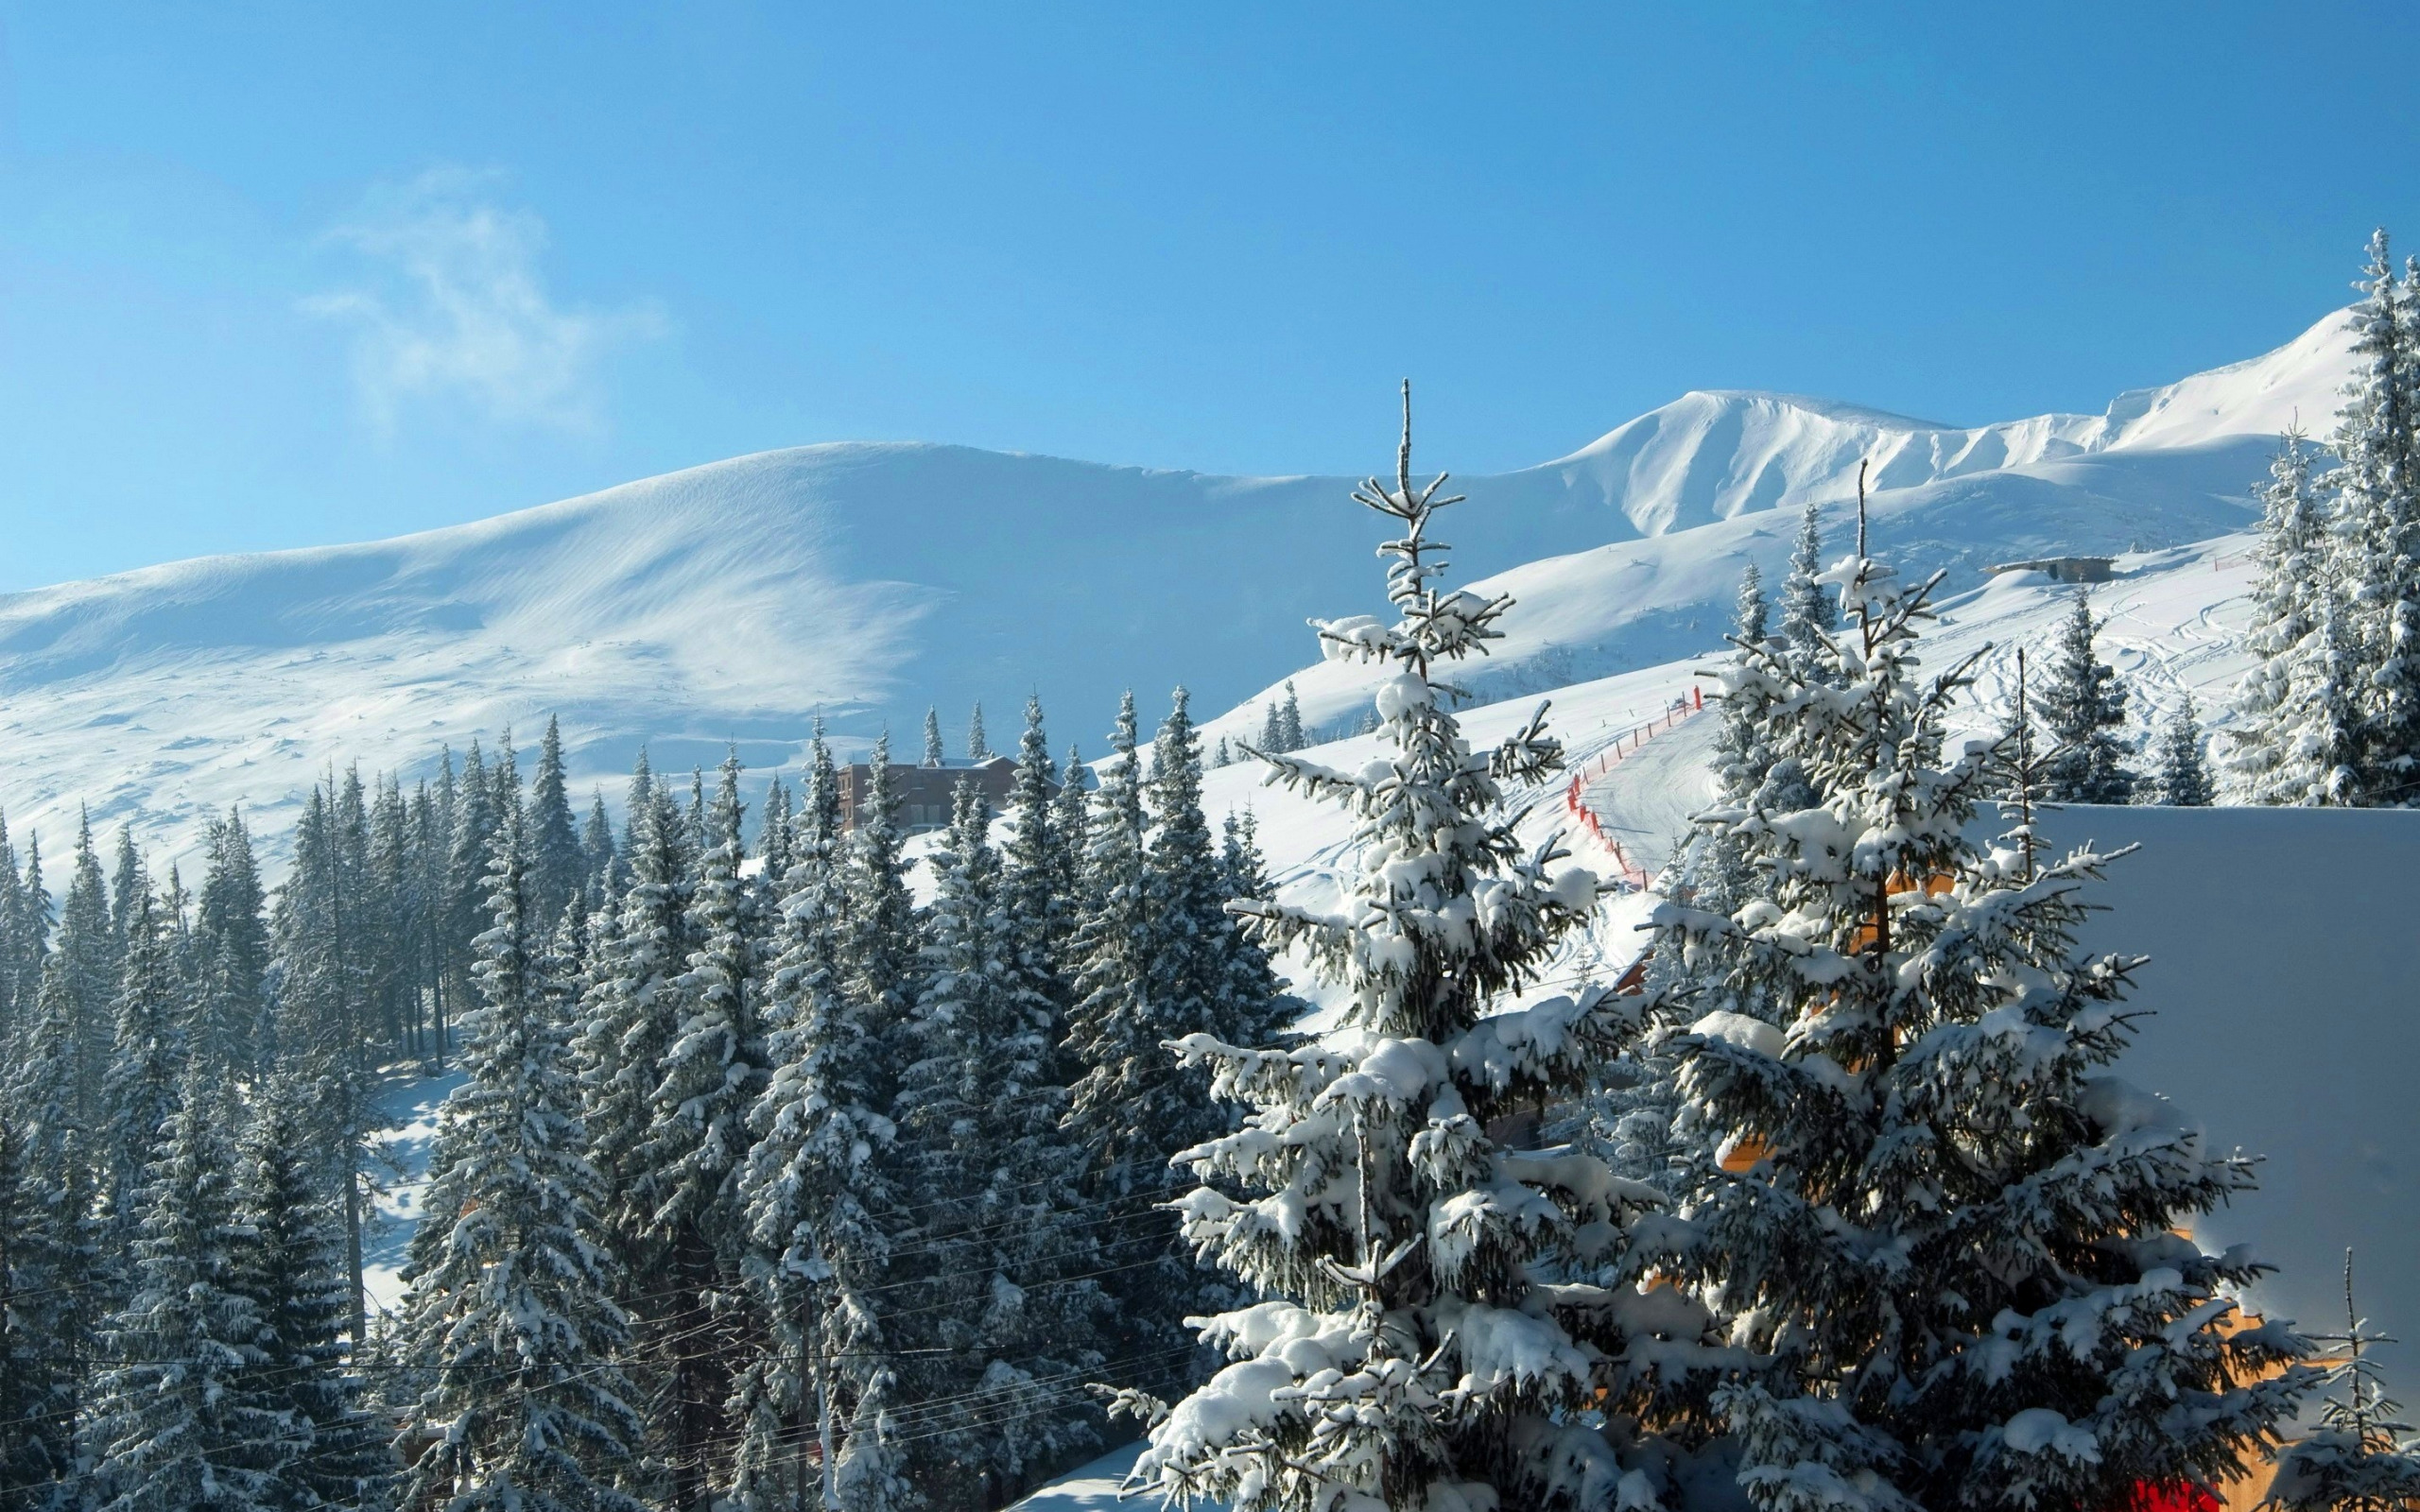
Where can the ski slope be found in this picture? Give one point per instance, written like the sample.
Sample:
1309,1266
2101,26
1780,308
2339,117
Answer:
735,601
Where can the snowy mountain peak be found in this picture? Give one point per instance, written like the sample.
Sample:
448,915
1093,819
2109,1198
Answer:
735,601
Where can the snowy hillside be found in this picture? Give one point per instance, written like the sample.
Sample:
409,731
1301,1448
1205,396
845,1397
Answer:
731,602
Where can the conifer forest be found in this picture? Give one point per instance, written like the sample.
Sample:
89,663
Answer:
804,1152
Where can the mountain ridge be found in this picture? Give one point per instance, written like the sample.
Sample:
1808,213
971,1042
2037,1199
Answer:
736,600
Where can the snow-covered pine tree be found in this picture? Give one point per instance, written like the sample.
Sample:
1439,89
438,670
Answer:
42,1272
1032,880
129,880
14,1008
1445,1318
1807,607
290,1263
178,1422
557,869
775,834
1289,720
1743,751
979,749
31,927
1070,842
2288,594
2083,707
1243,876
2362,1458
879,947
2183,780
688,1164
1112,1028
630,1020
88,947
147,1061
933,756
1272,728
54,1256
599,855
995,1278
1961,1237
510,1308
822,1211
2377,529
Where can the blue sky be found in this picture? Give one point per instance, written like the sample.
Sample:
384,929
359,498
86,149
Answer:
278,275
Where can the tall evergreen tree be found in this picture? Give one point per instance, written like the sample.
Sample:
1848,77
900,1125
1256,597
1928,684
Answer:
711,1075
1114,1032
128,882
1958,1239
16,1006
43,1266
32,926
2377,529
977,748
511,1304
147,1064
2083,707
557,868
1807,607
290,1264
2183,780
599,855
1411,1354
2290,592
776,832
1000,1273
632,1020
1034,875
179,1422
823,1207
933,738
88,948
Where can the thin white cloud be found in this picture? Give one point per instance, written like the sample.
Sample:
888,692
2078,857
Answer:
450,305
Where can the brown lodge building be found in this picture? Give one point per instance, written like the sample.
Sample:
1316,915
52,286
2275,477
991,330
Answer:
925,793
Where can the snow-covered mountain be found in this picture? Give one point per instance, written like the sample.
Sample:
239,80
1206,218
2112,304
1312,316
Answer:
733,602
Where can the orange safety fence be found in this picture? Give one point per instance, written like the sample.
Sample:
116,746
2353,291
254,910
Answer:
1605,761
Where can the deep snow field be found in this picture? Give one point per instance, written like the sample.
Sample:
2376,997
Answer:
733,602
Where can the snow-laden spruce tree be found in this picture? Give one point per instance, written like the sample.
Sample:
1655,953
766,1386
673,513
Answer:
822,1210
557,868
55,1259
2377,527
1445,1318
1035,870
631,1019
1961,1237
978,748
697,1139
1808,607
2082,707
2183,778
290,1264
511,1310
179,1421
2363,1458
147,1058
1112,1029
41,1276
2290,592
1002,1236
933,754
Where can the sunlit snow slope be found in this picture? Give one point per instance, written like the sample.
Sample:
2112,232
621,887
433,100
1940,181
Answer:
735,601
